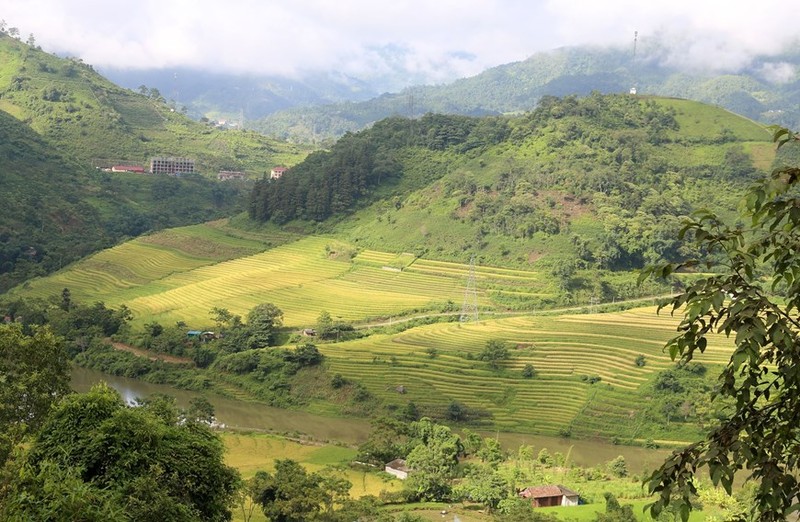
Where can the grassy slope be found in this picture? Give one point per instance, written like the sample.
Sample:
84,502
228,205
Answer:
180,274
83,113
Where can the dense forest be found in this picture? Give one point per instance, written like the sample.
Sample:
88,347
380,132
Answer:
331,183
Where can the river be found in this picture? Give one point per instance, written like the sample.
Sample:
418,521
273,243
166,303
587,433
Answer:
259,417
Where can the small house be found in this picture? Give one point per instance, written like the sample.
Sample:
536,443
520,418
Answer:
547,496
277,172
398,468
309,332
201,335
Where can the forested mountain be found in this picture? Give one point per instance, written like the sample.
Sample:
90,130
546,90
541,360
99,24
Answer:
601,181
59,119
766,90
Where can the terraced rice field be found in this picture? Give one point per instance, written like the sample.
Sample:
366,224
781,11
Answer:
563,350
180,274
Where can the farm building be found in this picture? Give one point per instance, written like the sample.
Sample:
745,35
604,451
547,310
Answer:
226,175
309,332
546,496
398,468
202,336
277,172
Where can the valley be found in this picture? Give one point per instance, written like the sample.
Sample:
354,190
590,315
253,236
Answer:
438,285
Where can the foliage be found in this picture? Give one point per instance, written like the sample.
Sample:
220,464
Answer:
484,485
331,183
753,296
528,371
616,512
433,460
262,320
34,374
388,440
495,352
292,494
130,460
618,467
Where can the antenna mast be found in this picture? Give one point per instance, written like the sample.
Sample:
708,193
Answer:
469,310
633,62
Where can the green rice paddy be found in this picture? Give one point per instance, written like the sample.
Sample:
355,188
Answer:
565,350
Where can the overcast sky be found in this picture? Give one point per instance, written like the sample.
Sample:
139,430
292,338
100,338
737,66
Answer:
441,39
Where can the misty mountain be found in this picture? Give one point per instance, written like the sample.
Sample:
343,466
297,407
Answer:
766,90
230,96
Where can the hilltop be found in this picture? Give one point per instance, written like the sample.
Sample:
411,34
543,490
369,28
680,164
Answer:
511,88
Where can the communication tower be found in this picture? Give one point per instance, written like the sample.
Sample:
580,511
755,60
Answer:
633,62
469,310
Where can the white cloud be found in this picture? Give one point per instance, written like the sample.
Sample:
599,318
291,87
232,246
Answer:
438,40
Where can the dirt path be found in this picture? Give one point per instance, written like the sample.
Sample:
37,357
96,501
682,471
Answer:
138,352
549,311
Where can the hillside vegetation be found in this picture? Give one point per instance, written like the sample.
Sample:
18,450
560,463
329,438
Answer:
598,183
93,120
59,120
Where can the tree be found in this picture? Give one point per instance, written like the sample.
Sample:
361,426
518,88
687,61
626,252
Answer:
433,460
494,353
151,466
34,374
618,467
528,371
491,453
325,328
261,323
484,485
200,410
753,297
616,512
293,495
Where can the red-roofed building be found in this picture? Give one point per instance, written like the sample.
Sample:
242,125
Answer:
546,496
277,172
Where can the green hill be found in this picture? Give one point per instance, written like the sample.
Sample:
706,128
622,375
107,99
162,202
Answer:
597,183
99,123
59,120
571,197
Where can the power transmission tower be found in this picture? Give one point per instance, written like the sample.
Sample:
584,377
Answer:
469,310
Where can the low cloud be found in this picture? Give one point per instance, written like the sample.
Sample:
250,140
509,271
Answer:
437,41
